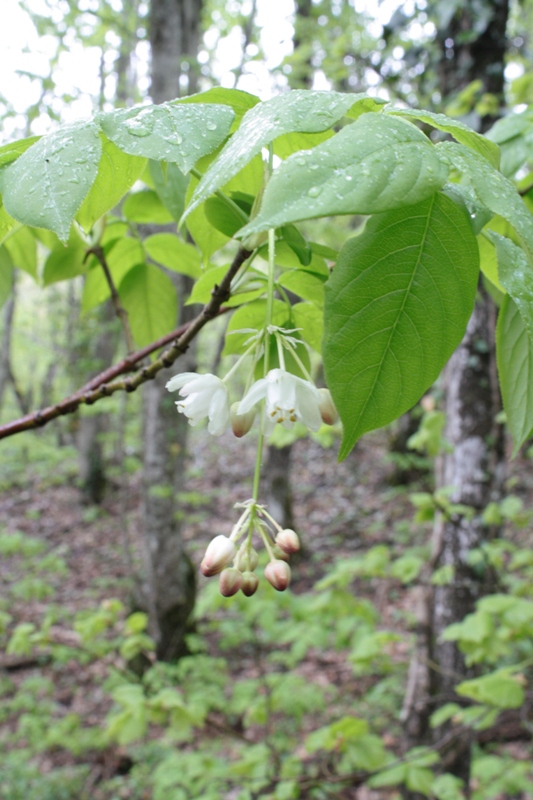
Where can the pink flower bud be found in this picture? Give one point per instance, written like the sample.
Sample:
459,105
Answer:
247,559
288,540
241,423
250,582
230,581
428,403
219,553
278,573
327,409
280,554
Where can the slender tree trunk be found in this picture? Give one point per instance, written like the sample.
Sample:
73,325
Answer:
277,473
475,467
92,426
5,351
169,589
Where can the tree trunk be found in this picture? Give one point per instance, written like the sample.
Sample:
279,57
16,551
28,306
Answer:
94,424
5,351
169,589
475,467
277,475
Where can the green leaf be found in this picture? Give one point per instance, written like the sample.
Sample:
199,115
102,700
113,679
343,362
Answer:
297,243
515,368
500,689
447,787
117,172
149,297
397,305
443,714
203,287
407,568
146,207
207,238
6,275
169,251
284,146
516,276
122,257
304,284
376,164
47,184
297,111
252,316
311,321
6,222
171,185
222,216
10,152
419,779
238,100
169,131
461,132
335,736
492,189
287,257
22,248
388,777
488,262
65,262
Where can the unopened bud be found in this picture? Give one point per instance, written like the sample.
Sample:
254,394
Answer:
327,409
241,423
428,403
278,574
219,553
280,554
250,582
247,558
288,540
230,581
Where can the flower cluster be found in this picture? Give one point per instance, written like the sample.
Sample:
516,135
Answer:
224,550
283,399
288,399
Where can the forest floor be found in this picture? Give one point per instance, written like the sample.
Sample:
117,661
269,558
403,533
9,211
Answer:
339,509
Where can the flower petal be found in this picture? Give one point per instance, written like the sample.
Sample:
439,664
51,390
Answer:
307,406
180,380
219,416
255,393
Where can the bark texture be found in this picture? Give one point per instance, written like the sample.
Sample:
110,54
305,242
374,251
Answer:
175,27
92,426
277,476
473,48
169,589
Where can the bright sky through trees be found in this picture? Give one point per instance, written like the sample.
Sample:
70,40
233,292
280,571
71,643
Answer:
24,54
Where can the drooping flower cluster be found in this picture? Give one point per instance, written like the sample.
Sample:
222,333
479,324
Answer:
283,399
288,399
224,551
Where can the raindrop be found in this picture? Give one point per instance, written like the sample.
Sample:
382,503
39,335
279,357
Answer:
211,126
314,191
313,166
174,138
348,177
300,161
138,127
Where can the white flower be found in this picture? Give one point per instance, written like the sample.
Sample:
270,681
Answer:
288,399
206,396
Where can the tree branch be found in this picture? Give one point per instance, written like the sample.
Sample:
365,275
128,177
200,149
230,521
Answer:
103,385
120,311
